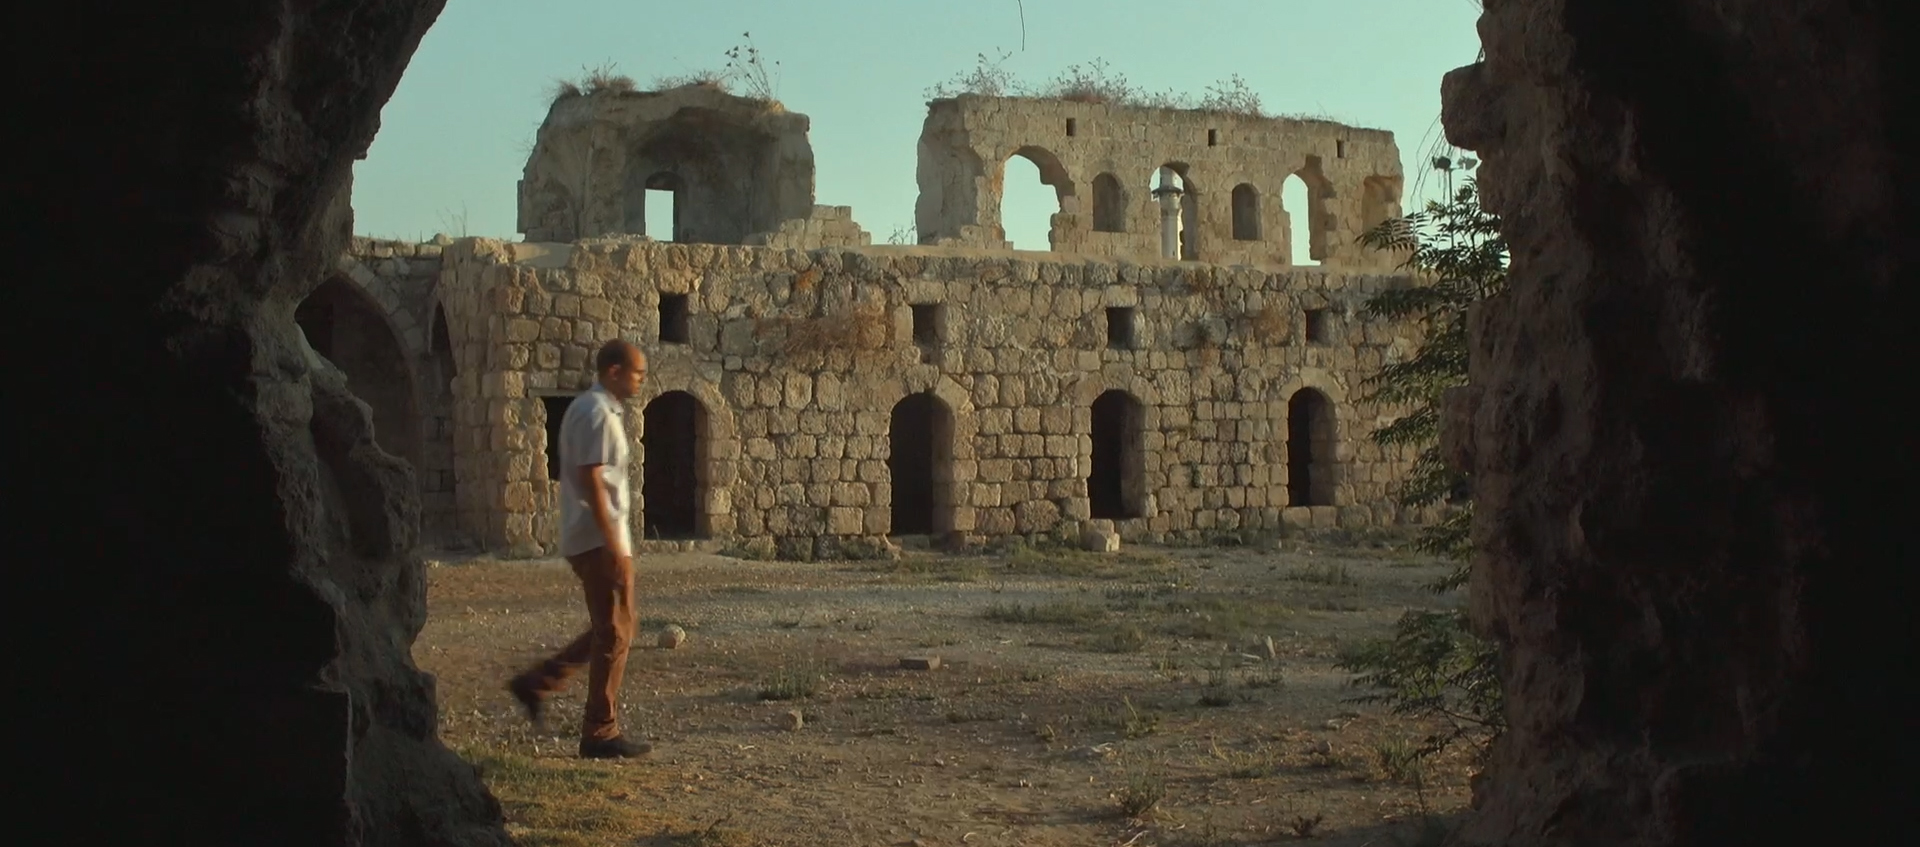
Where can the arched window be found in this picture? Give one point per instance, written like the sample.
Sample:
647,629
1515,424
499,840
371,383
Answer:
1246,213
1109,204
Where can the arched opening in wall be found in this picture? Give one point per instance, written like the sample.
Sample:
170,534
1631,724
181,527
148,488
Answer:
1176,203
1109,204
1299,205
1033,188
349,329
1310,449
920,465
660,215
1116,482
554,407
674,452
1246,213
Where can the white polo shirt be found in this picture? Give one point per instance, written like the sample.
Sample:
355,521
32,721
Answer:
593,432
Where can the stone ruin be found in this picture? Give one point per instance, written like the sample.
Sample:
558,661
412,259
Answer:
1694,542
811,394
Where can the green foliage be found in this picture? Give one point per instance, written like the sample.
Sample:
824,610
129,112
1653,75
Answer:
1434,665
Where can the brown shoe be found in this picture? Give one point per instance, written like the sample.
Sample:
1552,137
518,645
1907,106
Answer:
617,747
530,700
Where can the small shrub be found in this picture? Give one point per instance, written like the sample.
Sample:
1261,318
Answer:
1399,760
797,681
970,716
1305,827
1093,82
604,78
1143,791
1052,612
1121,639
1255,764
1327,574
746,64
1233,96
989,78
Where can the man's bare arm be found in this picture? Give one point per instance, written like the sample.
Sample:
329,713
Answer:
602,510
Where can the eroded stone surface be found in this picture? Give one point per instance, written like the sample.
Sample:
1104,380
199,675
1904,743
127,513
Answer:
1692,521
234,586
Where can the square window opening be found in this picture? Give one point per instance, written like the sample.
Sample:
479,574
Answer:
1120,327
929,321
1072,126
1213,138
1319,326
1340,149
673,319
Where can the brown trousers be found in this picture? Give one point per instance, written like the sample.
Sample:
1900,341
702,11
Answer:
608,584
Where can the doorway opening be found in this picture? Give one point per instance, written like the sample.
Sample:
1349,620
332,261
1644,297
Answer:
1310,449
920,464
1116,484
674,451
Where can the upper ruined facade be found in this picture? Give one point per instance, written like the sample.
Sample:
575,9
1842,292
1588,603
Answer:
1162,372
740,171
1104,161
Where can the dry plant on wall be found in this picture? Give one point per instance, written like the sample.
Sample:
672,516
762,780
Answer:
862,327
605,78
1097,82
746,73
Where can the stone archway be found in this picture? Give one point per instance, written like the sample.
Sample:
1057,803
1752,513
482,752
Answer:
1312,443
920,465
347,327
676,452
1116,474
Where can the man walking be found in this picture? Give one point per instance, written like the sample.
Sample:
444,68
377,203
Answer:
596,541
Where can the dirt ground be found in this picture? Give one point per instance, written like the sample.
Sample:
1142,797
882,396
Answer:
1080,699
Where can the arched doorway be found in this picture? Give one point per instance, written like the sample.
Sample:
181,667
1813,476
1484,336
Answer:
1116,483
345,326
1310,449
920,465
674,452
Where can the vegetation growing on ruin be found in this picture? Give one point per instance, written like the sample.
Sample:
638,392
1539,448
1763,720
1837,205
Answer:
1434,665
605,78
1098,82
746,73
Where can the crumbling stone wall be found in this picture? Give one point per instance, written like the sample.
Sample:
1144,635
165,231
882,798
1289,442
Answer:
1693,477
798,359
397,278
1101,161
737,166
229,588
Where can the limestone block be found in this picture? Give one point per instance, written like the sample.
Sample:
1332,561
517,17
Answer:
844,520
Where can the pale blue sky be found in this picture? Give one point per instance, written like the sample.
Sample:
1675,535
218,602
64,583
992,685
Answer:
456,133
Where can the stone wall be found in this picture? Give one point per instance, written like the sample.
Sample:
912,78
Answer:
412,390
1101,159
736,166
797,361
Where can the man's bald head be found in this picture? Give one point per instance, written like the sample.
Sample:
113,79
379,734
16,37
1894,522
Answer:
617,352
621,366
